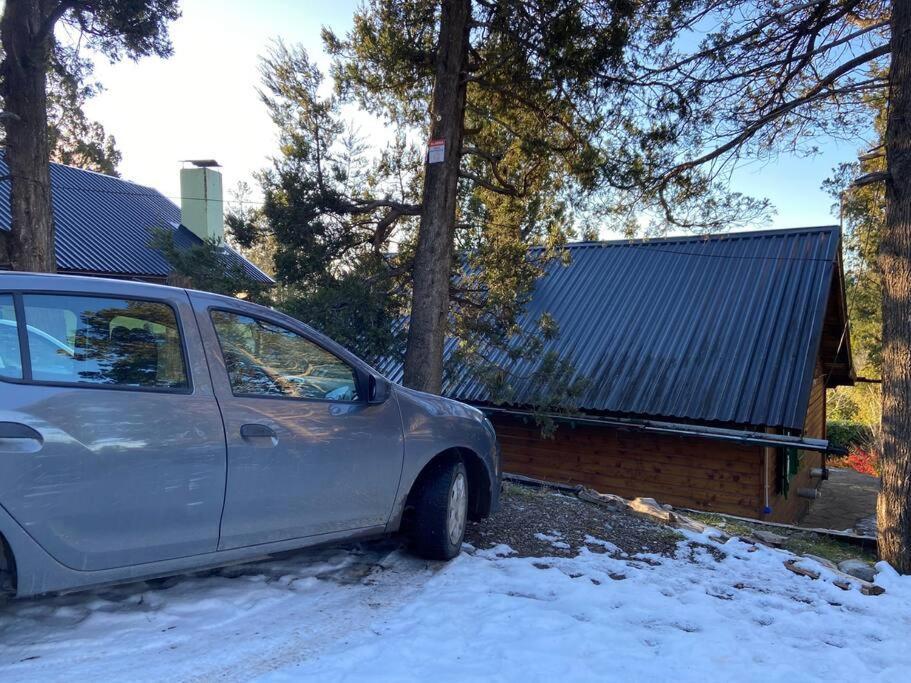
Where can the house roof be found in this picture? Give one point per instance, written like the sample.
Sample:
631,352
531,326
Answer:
103,225
723,329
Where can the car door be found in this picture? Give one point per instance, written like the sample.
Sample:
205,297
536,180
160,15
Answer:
306,455
112,449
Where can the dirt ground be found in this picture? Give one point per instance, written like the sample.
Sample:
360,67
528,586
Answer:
544,523
847,503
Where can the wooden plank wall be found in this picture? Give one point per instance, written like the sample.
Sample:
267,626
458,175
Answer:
815,425
682,471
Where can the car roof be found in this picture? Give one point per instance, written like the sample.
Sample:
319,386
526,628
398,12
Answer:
40,282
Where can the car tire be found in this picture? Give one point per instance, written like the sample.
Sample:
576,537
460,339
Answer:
441,512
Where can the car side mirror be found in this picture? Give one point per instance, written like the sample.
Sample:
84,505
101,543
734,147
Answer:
377,389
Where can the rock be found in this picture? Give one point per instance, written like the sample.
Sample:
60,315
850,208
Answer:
649,508
857,568
608,500
872,589
792,566
824,562
769,538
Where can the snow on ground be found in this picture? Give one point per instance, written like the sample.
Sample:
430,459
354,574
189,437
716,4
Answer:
745,618
375,613
555,538
233,624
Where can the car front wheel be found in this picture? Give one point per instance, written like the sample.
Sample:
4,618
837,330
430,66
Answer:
441,512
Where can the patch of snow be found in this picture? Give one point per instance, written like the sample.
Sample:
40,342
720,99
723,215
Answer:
555,538
607,545
374,613
742,618
499,550
232,624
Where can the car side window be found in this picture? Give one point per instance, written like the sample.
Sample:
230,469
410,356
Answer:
264,359
106,341
10,354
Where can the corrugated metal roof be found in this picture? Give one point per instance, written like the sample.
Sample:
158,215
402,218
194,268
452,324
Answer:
723,329
103,224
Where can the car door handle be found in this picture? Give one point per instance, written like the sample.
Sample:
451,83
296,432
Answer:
253,431
14,430
19,438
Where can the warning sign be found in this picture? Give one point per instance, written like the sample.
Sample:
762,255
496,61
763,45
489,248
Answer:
436,151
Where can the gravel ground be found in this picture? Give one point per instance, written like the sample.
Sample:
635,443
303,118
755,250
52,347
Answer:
545,523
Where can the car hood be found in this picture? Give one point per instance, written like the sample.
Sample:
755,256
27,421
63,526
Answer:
439,405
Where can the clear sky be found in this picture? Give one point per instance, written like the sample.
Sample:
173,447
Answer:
202,103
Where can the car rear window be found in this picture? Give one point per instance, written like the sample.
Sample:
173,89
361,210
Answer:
107,341
10,354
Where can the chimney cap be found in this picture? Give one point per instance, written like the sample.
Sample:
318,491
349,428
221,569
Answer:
202,163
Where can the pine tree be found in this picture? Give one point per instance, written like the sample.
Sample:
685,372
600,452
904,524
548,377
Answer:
498,117
117,28
73,138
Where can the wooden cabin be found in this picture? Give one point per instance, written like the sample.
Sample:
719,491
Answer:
684,470
705,360
104,226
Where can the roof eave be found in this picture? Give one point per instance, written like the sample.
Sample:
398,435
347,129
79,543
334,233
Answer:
736,436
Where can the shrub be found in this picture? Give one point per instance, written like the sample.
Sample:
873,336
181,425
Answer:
859,459
849,434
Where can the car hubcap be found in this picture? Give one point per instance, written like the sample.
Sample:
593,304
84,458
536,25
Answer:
458,509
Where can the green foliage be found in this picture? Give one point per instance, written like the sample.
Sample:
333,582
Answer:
205,267
123,28
73,138
860,403
841,406
863,216
849,434
354,309
707,84
116,29
241,223
344,213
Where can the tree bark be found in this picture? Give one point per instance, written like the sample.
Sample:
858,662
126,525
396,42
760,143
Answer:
433,259
27,43
894,504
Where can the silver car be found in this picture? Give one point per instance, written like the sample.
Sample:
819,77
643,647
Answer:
148,430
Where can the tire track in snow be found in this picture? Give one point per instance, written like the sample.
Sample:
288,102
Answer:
231,624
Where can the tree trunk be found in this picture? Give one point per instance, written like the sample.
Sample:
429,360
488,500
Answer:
894,505
30,243
433,258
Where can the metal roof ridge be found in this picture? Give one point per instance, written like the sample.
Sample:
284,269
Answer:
88,170
709,237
